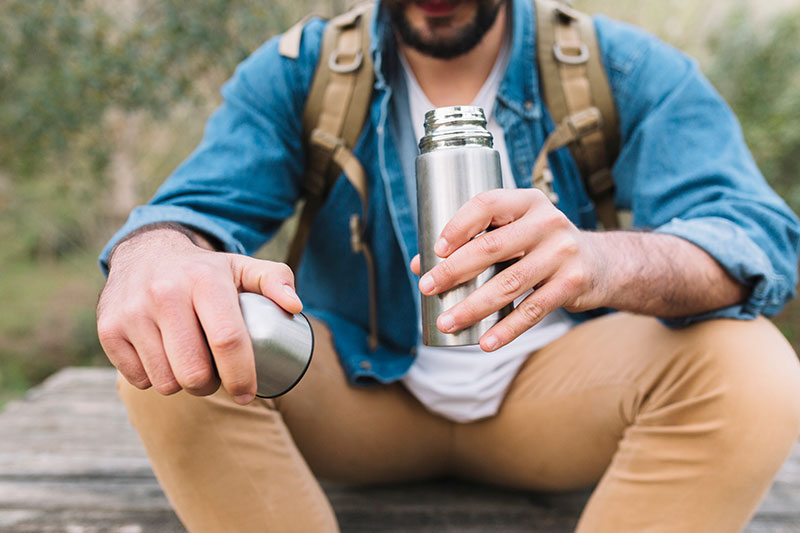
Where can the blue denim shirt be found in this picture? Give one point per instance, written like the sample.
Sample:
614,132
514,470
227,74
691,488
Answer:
683,170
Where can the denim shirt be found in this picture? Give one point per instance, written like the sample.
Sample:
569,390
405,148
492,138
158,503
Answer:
683,170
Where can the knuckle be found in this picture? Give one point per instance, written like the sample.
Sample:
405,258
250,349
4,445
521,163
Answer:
511,282
133,372
531,311
443,272
569,247
139,382
490,244
504,332
284,271
575,280
553,220
466,312
226,339
164,291
537,195
486,200
109,332
197,378
237,386
167,388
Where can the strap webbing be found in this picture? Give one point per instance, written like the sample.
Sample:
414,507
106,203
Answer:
574,82
334,115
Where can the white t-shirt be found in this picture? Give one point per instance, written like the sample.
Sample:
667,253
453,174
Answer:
465,383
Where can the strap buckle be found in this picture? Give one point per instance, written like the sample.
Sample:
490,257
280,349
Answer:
601,182
580,58
344,68
585,122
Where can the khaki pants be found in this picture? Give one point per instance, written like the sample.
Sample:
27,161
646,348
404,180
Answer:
681,430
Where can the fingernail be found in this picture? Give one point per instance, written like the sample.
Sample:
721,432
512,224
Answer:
243,399
446,323
290,292
426,284
492,342
441,246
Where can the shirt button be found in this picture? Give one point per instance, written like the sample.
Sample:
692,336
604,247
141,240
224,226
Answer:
380,130
528,105
365,365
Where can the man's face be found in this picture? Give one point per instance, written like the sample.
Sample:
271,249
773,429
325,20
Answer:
443,28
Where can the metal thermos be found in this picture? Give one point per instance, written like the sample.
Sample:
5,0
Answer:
282,344
456,162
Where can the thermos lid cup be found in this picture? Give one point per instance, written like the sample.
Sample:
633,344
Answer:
282,344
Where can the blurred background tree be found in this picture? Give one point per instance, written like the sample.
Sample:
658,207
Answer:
99,102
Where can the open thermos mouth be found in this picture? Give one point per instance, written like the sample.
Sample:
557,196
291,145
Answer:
461,125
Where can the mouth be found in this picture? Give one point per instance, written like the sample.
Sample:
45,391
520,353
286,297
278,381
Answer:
437,8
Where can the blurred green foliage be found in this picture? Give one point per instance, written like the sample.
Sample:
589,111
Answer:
757,68
66,62
97,98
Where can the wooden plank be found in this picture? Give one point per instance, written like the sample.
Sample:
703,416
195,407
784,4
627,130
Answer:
70,461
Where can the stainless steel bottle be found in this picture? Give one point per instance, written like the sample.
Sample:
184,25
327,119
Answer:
282,344
456,162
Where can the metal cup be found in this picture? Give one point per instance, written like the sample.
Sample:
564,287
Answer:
282,344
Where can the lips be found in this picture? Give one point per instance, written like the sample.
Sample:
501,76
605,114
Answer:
437,8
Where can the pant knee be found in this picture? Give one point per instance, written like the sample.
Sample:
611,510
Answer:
749,376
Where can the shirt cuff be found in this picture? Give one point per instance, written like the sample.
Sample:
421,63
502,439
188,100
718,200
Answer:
741,257
151,214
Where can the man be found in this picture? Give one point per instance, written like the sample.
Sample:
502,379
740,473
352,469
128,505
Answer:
682,428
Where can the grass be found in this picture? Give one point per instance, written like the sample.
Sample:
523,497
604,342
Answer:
47,320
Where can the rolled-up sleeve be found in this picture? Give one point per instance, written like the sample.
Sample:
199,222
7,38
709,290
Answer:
243,179
685,170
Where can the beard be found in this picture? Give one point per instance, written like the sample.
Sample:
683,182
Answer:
440,46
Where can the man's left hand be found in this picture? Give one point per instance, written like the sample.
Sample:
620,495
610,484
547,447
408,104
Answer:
563,264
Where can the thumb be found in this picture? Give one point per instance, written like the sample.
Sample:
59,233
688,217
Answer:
273,280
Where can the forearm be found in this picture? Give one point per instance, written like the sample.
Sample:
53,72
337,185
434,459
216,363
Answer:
662,275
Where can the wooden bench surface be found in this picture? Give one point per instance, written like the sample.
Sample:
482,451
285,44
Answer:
70,462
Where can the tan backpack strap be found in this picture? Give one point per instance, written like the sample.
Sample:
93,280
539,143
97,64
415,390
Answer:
333,117
574,81
289,44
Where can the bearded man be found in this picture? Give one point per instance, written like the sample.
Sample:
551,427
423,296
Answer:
680,406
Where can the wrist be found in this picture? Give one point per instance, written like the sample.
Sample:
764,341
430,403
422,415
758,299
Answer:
606,270
159,233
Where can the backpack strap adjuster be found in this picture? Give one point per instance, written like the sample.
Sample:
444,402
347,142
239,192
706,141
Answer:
345,68
579,58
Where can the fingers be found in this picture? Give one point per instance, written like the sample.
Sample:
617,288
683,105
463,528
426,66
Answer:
541,302
491,208
216,304
506,286
145,338
273,280
416,265
468,261
184,342
122,355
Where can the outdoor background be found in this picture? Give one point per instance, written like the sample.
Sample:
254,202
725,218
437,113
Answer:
100,101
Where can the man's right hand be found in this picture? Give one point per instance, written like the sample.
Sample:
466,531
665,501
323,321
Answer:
164,293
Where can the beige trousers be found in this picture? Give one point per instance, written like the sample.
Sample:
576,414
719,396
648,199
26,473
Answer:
681,430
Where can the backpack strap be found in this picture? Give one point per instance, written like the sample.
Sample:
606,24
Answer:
333,117
578,94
